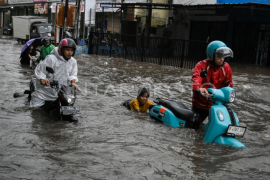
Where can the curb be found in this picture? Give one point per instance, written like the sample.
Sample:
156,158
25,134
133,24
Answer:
6,37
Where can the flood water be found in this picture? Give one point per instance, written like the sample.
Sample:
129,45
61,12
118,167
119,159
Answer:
110,142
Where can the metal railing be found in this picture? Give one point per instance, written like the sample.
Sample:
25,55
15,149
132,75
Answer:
162,51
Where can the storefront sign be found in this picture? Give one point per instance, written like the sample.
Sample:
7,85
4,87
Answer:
107,7
35,1
53,7
19,1
73,4
3,2
41,8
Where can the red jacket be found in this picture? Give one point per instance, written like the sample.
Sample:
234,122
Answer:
217,76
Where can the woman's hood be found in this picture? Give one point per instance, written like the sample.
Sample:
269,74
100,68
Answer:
55,52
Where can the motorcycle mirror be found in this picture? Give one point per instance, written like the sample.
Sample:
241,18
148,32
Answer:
227,83
203,73
50,70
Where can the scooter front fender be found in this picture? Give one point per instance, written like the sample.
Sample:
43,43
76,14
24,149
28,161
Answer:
231,141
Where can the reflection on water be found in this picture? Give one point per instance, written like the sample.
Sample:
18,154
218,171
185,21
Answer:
110,142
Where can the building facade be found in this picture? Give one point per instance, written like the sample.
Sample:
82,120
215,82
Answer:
9,8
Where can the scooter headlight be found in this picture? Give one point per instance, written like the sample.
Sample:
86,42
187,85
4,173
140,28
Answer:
70,99
232,96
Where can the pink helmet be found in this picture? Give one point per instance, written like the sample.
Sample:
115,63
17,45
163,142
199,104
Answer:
67,42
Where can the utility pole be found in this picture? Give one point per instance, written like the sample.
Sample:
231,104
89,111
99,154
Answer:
148,20
65,19
2,22
60,29
77,20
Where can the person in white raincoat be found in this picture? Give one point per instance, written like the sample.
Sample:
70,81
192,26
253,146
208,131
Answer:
65,72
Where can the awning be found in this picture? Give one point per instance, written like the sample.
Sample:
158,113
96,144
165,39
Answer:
182,6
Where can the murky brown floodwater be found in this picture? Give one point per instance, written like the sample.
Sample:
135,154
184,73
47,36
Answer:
110,142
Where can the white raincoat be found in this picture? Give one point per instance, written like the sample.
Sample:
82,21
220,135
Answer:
64,72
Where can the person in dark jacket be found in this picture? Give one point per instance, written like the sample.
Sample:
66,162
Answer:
26,56
218,73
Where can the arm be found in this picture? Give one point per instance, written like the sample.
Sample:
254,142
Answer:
30,57
150,104
40,54
73,73
51,47
41,73
134,105
197,79
229,75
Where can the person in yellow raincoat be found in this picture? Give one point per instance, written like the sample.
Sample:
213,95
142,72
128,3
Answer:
141,102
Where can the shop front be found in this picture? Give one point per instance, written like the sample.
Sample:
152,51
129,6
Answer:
31,8
4,13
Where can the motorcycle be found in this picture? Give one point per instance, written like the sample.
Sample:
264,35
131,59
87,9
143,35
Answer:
9,30
65,101
174,114
223,124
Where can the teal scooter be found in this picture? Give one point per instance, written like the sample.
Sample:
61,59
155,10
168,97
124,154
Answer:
175,114
223,125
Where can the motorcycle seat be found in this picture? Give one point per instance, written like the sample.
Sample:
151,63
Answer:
178,109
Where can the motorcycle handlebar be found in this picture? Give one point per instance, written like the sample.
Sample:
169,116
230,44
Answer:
54,83
209,95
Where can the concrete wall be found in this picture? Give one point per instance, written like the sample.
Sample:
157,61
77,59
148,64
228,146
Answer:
159,17
183,18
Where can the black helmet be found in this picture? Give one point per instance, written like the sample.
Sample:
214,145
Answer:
46,39
67,42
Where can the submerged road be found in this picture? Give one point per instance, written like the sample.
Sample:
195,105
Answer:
110,142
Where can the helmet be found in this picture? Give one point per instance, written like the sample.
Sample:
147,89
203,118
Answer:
45,39
219,49
67,42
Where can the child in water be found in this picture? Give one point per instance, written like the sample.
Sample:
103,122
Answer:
141,103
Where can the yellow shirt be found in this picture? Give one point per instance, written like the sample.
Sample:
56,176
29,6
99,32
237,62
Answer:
134,104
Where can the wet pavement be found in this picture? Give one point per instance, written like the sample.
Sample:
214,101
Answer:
110,142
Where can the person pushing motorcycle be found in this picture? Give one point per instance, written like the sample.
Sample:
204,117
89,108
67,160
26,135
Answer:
218,73
65,71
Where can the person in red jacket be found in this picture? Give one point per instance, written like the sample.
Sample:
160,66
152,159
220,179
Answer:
218,75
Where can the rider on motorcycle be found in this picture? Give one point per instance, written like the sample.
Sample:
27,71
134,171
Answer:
46,49
65,71
218,73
